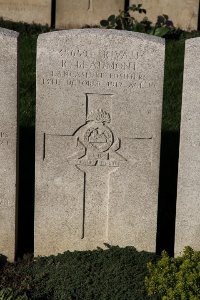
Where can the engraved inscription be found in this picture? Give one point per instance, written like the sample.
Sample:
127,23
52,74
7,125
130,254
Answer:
3,138
99,65
4,202
50,81
98,68
106,54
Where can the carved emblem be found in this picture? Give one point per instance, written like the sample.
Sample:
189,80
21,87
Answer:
99,116
96,142
100,137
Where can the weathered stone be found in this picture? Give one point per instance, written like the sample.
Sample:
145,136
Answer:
76,14
188,197
99,106
37,11
8,138
184,14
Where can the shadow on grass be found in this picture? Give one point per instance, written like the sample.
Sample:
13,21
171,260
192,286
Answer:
3,260
167,192
25,239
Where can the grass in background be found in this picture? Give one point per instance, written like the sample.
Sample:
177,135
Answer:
174,66
172,92
27,85
27,67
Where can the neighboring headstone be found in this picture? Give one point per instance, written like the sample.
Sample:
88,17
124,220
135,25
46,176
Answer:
98,122
76,14
184,14
8,141
188,197
30,11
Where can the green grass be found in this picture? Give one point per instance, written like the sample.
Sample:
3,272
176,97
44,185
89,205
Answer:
174,65
27,79
172,92
27,70
115,273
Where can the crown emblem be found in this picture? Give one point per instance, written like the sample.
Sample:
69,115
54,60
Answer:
100,116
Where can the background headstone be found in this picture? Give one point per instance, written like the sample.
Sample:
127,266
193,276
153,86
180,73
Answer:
98,122
76,14
184,14
188,197
8,141
37,11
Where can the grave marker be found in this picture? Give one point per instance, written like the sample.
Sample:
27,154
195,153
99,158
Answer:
8,140
30,11
188,200
76,14
184,14
98,121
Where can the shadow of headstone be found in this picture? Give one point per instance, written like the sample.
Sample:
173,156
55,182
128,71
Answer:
167,192
3,260
25,239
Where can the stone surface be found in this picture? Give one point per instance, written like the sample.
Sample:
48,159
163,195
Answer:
8,137
37,11
184,14
76,14
98,121
188,197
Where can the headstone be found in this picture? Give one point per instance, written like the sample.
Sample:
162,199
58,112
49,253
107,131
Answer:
76,14
30,11
184,14
188,197
99,106
8,141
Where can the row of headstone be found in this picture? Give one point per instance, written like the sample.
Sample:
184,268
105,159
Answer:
188,197
68,13
76,13
98,124
8,140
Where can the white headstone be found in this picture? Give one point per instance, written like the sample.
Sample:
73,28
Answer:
188,196
30,11
76,14
99,107
184,14
8,140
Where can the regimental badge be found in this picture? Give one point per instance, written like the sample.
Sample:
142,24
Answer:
96,142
